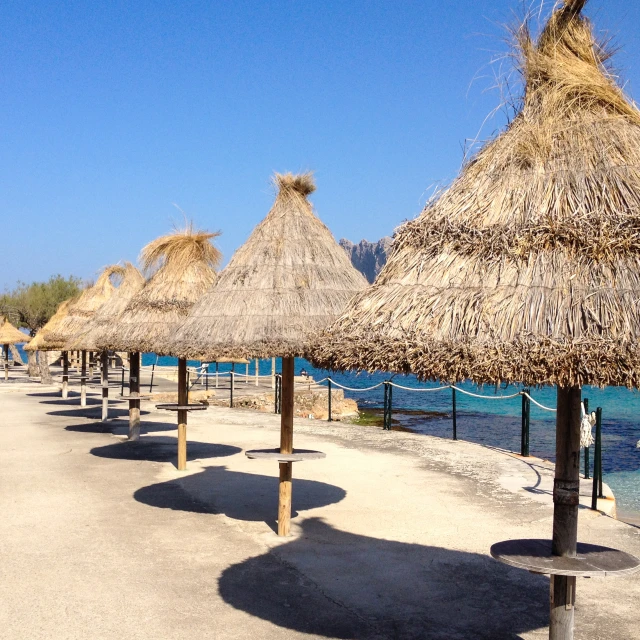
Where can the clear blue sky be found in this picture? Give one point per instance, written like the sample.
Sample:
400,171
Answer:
112,111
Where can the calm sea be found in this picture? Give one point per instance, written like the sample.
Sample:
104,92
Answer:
496,422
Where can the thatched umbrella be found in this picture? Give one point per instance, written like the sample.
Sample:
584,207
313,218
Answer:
527,269
79,313
184,264
9,335
91,337
40,343
288,281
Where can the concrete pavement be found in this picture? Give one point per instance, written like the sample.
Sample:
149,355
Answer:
102,538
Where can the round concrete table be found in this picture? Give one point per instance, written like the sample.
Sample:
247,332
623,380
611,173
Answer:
182,407
298,455
591,561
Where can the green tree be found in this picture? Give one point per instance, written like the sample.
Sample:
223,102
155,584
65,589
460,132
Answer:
32,305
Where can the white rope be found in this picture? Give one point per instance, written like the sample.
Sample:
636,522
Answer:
475,395
537,403
399,386
352,388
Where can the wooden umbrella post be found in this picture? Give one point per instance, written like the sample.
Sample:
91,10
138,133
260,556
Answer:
273,373
6,362
257,372
65,375
91,364
182,415
566,489
134,396
83,380
286,446
104,370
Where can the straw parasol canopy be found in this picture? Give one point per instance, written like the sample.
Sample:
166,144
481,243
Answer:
9,334
184,264
289,280
528,267
91,337
40,341
82,309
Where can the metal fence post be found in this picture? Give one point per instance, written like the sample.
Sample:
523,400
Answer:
454,415
597,462
231,374
386,402
389,404
599,437
586,449
206,377
329,400
526,422
153,370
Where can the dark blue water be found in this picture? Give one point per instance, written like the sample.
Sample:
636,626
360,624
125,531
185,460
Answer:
493,422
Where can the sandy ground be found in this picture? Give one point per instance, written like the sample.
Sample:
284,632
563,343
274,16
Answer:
102,538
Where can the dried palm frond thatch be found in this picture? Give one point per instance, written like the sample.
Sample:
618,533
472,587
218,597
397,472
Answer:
9,334
39,341
290,279
82,309
184,262
528,267
90,338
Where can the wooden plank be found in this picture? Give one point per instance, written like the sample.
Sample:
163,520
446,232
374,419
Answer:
134,403
286,447
65,375
83,380
182,414
566,490
284,499
104,374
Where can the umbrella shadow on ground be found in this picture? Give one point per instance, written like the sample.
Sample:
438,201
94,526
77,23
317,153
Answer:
46,394
336,584
162,449
92,412
241,496
120,427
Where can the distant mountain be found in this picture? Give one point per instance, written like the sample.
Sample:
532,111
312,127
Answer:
367,257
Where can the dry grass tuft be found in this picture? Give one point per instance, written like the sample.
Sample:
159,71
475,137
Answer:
180,249
288,183
528,267
184,264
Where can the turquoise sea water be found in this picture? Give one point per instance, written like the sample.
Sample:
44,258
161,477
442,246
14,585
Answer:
495,422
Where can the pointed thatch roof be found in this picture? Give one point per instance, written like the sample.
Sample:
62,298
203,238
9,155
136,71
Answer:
289,280
528,267
91,337
9,334
83,309
39,341
185,261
